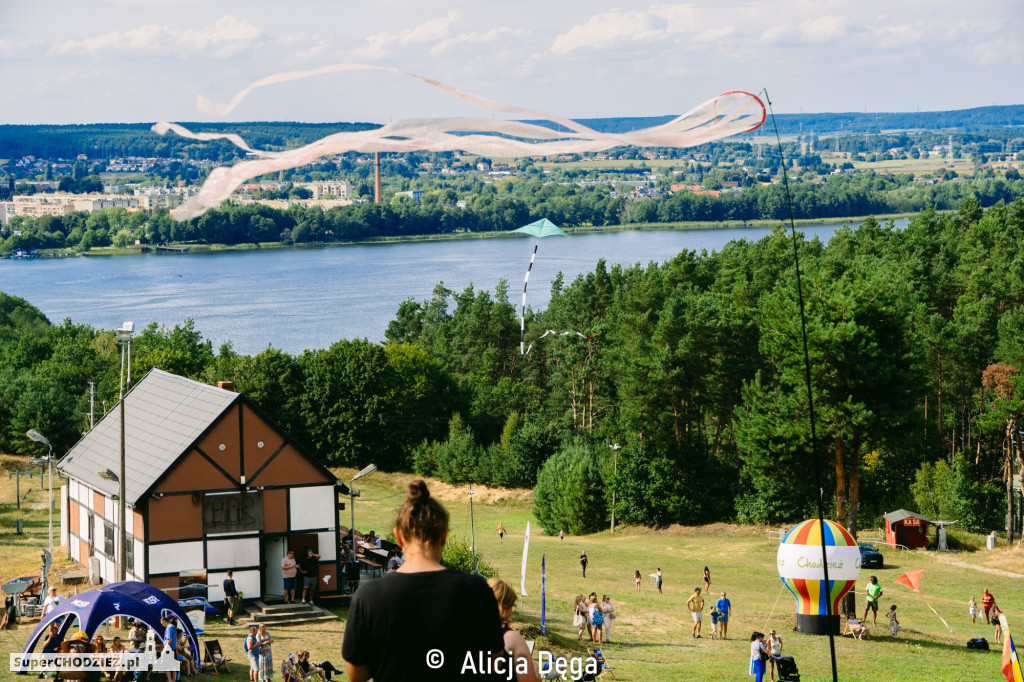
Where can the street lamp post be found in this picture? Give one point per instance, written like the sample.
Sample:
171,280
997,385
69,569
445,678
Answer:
40,438
615,479
353,494
124,339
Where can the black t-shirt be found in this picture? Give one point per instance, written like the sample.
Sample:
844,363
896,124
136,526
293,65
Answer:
229,588
310,566
396,623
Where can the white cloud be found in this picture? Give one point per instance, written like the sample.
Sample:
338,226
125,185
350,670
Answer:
500,35
902,35
226,37
823,29
610,29
816,31
10,49
381,45
989,53
714,34
776,35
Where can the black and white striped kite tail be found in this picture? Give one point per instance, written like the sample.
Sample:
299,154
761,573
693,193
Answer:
522,314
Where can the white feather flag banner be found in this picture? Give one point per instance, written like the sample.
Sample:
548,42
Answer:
522,573
727,114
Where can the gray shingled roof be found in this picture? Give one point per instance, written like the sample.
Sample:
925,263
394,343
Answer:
903,514
164,415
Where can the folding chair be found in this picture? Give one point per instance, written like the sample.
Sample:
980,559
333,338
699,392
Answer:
213,655
604,668
290,671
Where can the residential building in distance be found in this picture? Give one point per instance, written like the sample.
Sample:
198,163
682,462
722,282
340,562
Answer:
38,205
339,189
414,194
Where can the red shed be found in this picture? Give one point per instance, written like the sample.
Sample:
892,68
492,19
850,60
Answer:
906,528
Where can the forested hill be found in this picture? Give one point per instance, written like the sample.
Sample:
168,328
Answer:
112,140
109,140
961,120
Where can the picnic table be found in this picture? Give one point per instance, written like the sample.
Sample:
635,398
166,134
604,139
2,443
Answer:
373,559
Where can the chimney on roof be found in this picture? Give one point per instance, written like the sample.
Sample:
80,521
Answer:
226,385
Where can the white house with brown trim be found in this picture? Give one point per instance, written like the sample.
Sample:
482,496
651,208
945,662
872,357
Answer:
211,484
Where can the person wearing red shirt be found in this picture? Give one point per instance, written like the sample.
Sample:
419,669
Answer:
987,601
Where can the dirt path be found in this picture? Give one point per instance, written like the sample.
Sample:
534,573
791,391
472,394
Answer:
984,569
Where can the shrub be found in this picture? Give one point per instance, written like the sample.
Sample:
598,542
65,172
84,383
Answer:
458,457
457,555
569,493
770,501
675,484
945,492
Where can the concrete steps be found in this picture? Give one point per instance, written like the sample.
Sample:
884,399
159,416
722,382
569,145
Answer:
283,615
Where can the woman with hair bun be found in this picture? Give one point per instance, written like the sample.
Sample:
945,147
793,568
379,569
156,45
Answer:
423,621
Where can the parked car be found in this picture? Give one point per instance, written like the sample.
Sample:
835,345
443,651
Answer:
870,557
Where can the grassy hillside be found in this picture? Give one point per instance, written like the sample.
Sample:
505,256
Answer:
651,635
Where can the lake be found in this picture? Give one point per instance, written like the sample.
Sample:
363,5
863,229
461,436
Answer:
295,299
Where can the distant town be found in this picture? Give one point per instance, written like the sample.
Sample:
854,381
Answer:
723,181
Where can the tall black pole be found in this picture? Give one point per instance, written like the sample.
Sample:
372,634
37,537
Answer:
810,395
122,554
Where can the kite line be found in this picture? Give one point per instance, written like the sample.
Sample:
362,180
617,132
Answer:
807,379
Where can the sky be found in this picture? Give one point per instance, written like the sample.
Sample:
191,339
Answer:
85,61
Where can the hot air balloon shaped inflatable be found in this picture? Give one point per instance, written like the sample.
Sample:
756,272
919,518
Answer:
800,566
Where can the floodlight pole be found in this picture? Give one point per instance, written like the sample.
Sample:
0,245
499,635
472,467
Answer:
353,494
124,338
40,438
615,479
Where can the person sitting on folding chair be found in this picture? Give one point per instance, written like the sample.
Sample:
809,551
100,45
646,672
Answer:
323,669
213,655
290,671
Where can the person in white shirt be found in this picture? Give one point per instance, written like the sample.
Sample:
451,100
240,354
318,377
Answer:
51,601
396,560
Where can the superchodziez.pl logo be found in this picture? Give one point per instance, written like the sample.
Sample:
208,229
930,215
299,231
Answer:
86,662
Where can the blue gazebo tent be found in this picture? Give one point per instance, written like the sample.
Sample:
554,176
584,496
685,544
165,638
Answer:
130,599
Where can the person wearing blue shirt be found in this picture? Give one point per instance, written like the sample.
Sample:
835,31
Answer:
725,607
170,642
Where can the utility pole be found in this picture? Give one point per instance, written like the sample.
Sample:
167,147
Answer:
17,482
92,403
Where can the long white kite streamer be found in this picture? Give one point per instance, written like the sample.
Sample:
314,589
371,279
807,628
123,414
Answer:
522,573
728,114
